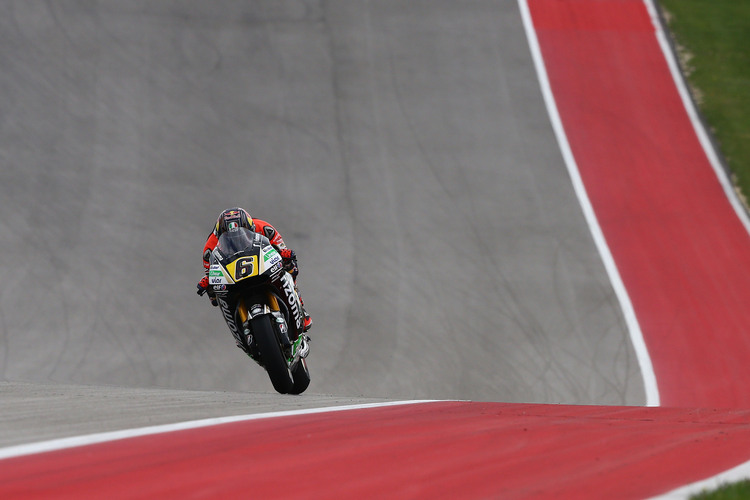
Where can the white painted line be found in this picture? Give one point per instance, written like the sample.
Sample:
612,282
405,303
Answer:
741,471
636,336
731,476
74,441
700,131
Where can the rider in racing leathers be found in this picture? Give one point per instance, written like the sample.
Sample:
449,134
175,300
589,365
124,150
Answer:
233,218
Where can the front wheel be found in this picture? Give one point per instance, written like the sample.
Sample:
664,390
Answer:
301,377
270,352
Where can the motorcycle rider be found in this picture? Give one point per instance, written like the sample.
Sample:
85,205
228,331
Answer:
234,218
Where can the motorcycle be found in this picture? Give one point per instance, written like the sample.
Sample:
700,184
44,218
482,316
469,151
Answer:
260,304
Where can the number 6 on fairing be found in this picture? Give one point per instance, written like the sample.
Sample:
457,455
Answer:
244,267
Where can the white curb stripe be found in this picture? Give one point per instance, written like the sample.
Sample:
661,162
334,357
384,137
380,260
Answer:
730,476
75,441
741,471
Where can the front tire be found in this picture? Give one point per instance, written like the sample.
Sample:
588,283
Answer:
270,352
301,377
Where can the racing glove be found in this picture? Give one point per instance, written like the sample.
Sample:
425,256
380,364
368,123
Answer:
203,288
289,261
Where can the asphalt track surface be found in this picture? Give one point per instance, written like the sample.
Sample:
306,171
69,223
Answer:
403,149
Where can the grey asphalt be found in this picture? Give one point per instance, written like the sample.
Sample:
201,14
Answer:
402,148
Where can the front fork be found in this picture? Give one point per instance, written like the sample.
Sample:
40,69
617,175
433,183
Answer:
258,309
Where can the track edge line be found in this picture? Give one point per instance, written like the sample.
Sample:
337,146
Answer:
634,329
102,437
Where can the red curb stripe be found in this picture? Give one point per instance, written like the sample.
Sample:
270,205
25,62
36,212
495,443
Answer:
682,252
444,450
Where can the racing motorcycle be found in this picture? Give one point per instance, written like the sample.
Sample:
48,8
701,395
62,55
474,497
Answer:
260,304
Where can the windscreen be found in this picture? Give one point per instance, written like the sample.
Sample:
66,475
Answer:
235,241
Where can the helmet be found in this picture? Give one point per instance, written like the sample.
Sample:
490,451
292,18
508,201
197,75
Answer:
232,219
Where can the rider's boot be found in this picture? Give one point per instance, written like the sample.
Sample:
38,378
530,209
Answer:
308,320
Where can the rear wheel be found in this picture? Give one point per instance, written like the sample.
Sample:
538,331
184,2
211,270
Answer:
270,352
301,377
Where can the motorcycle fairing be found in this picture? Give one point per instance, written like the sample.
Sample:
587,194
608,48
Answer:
239,255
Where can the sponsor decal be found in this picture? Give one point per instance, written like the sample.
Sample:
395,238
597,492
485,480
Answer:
216,276
288,287
229,318
281,323
272,257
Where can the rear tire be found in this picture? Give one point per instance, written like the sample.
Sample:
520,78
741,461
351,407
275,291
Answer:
270,352
301,377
